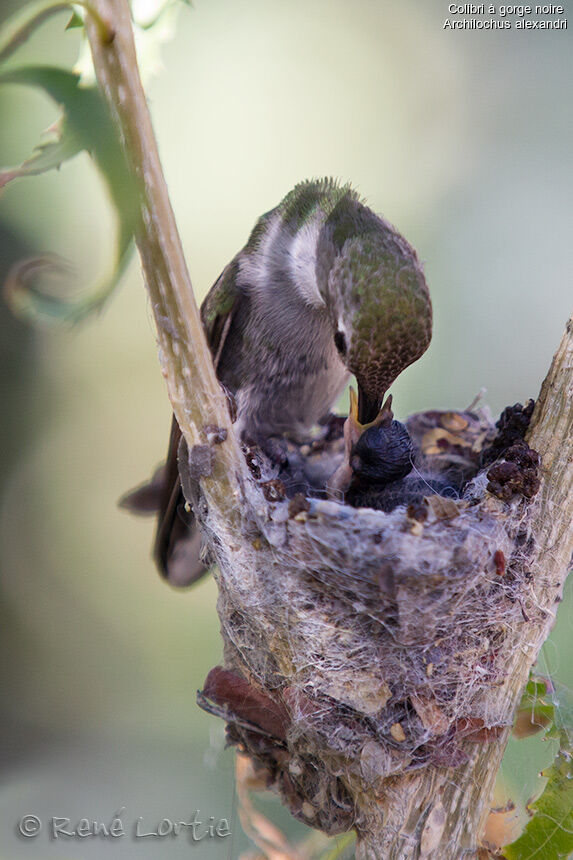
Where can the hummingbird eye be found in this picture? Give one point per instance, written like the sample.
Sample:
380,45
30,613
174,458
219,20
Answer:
340,342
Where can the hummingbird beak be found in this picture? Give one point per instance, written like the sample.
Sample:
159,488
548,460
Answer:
366,412
354,427
368,407
353,430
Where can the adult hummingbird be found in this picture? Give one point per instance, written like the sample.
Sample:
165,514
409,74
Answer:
324,288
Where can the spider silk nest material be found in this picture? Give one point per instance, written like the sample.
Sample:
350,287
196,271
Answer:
360,645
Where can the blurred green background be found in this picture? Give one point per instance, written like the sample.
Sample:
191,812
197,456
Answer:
463,140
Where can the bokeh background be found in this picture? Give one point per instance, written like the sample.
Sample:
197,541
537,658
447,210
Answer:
463,140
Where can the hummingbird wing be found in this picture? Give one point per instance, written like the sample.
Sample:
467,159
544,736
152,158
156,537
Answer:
172,519
219,309
177,541
177,545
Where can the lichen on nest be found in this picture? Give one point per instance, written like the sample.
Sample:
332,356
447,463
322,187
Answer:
370,638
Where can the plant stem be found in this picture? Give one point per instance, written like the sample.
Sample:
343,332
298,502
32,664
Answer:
186,362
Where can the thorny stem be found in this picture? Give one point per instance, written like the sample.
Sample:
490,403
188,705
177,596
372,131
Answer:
195,393
436,813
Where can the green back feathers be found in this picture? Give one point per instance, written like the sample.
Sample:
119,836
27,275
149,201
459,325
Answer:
301,204
349,218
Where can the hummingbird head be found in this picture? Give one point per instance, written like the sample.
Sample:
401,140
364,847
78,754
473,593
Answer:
376,297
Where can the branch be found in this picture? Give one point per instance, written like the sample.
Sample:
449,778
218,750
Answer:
195,393
551,433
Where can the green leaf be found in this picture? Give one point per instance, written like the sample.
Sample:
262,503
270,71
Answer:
535,711
49,154
22,24
342,849
75,22
86,125
549,833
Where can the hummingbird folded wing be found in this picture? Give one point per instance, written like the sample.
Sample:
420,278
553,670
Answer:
177,543
219,309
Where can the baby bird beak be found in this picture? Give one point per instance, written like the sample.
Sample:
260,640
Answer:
355,423
353,430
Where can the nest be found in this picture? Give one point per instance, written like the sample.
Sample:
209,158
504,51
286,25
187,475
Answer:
360,644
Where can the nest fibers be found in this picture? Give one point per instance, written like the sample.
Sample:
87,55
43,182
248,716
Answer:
360,644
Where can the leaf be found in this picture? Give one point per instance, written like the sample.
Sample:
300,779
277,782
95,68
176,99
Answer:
86,117
549,833
75,22
49,154
343,848
534,712
18,28
154,23
85,125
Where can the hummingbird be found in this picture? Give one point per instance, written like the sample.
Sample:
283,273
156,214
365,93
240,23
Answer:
323,289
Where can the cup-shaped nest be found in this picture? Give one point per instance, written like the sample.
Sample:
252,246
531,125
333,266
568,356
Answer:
360,644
